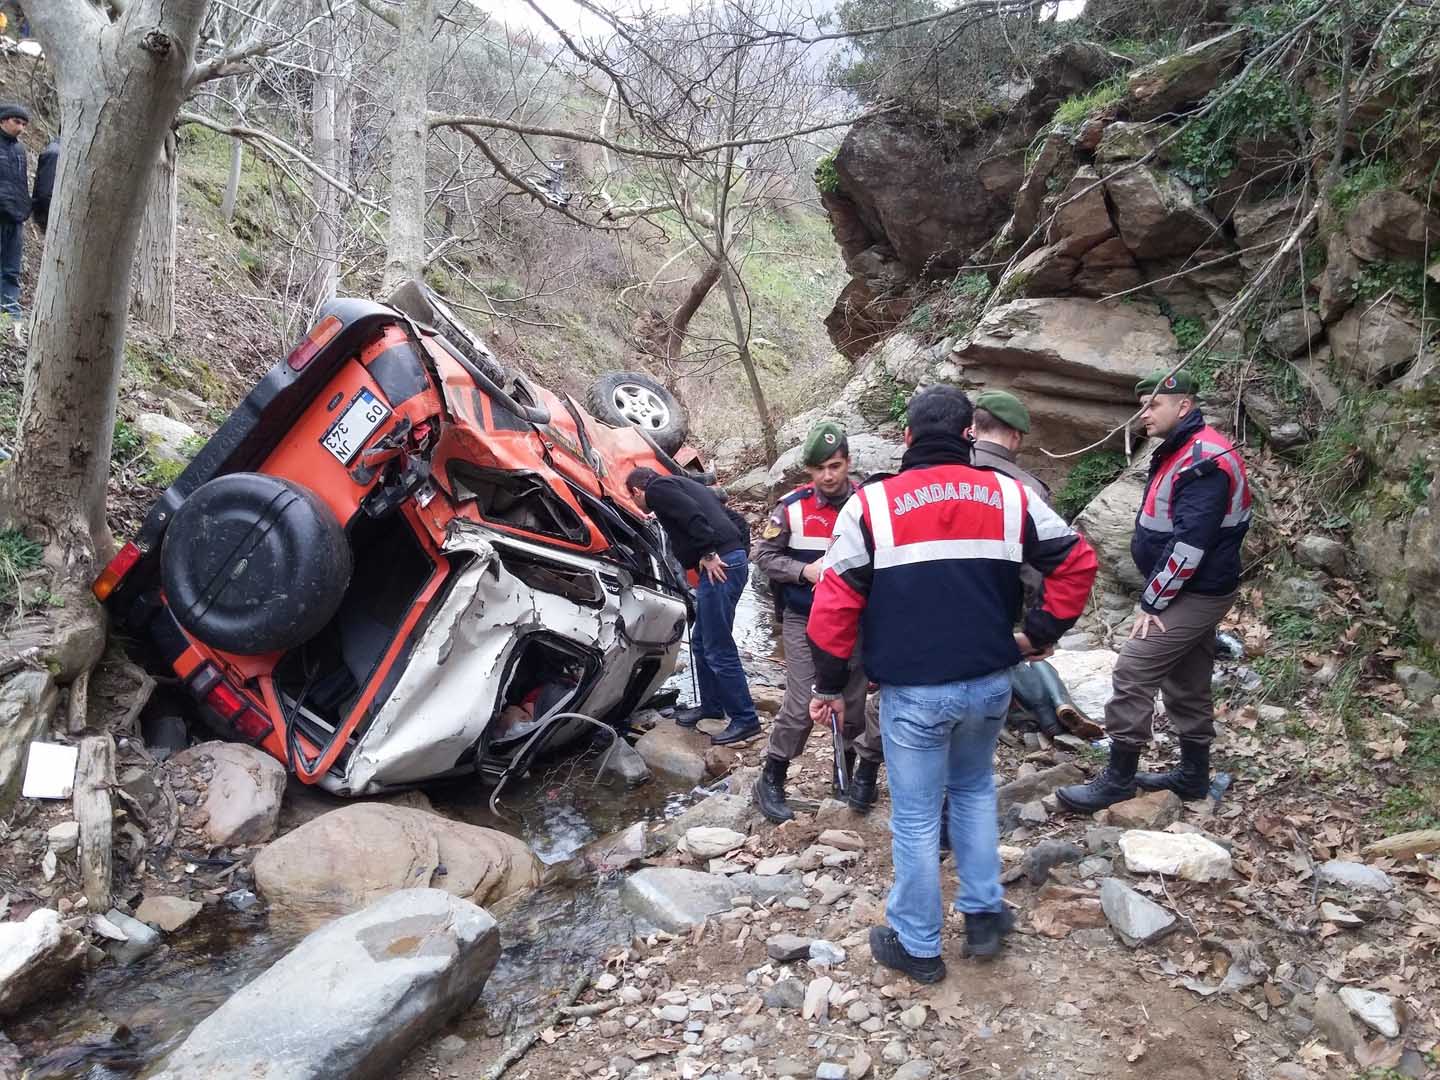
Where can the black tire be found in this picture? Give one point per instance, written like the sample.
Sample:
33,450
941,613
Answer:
254,564
632,397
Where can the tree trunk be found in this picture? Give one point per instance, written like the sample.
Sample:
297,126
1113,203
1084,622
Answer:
405,257
120,86
154,299
330,111
232,181
742,343
680,320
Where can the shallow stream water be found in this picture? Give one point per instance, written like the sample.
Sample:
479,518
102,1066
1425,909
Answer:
125,1019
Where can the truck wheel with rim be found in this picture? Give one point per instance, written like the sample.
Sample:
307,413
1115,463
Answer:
632,397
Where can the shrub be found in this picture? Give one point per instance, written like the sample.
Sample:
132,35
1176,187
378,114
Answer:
18,555
1256,108
1074,111
1361,181
1090,476
827,179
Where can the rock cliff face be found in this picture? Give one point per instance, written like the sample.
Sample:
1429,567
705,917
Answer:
1084,245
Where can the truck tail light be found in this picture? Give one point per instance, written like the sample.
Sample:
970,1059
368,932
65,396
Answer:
211,688
109,580
321,334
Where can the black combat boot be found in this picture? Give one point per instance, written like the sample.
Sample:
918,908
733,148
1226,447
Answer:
864,786
1190,780
1116,783
985,932
836,788
770,791
885,948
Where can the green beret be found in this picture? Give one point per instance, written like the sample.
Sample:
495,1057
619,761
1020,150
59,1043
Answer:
826,439
1006,408
1160,382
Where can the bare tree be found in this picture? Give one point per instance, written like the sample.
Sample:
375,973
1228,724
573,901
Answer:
406,255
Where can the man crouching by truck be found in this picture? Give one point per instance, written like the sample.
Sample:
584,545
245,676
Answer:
925,568
791,545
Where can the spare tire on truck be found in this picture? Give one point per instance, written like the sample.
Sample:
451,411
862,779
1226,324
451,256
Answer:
632,397
254,564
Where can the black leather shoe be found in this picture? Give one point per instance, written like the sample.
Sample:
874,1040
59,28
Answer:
736,732
692,715
770,792
836,788
864,786
885,947
1116,783
1190,779
985,932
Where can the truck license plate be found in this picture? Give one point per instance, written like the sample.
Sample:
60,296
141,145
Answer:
356,424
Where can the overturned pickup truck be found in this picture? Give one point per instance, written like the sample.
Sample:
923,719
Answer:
394,562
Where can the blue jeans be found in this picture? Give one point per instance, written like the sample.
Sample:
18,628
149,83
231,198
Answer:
939,741
12,237
723,686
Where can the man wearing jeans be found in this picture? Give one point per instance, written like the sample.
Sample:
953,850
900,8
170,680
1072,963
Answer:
928,562
710,539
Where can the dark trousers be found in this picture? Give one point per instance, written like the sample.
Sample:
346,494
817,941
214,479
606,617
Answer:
723,686
1178,663
12,242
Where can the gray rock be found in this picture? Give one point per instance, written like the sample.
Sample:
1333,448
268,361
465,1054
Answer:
1302,593
38,956
1102,838
1321,553
242,801
1135,919
396,972
717,812
1097,866
625,764
1418,684
676,899
167,913
1353,875
895,1052
167,439
674,1014
826,953
785,994
1335,1024
786,1067
1186,77
140,940
787,947
450,1047
913,1070
1047,855
1038,785
831,1070
27,704
1288,435
1034,813
674,751
1374,1010
752,486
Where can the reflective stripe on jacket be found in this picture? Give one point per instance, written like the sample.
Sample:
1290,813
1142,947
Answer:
1193,518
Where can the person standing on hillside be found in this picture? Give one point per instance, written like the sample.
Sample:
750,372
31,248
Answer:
44,189
711,540
791,545
14,209
925,567
1188,535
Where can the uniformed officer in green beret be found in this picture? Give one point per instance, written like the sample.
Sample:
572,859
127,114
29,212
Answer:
1000,426
794,538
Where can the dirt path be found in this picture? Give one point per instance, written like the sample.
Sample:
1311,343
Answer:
1076,1003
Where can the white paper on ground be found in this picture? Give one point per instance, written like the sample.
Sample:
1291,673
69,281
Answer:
50,771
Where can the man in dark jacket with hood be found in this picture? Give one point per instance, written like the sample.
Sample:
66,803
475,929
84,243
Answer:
1188,534
14,206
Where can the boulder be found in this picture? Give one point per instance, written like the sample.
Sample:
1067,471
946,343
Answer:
1262,226
27,704
167,913
719,811
1089,676
1322,553
1291,333
1031,195
1168,85
1124,141
348,858
1047,271
167,439
675,751
933,189
675,899
1136,920
139,941
1082,220
38,957
1108,522
242,799
753,486
1392,226
865,312
1105,269
356,996
1067,70
710,842
1186,855
1353,875
1373,343
1159,216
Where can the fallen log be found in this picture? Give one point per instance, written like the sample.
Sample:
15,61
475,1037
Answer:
94,777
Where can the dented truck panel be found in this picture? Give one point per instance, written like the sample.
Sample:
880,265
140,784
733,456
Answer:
453,687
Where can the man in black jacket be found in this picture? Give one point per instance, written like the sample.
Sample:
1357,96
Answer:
709,539
45,183
1188,534
14,207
